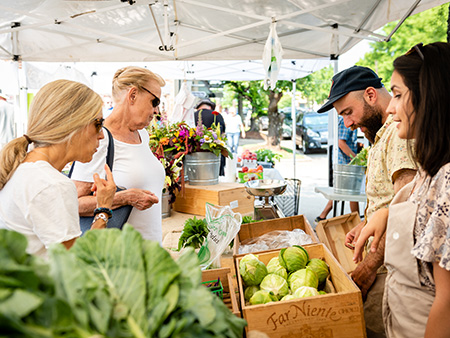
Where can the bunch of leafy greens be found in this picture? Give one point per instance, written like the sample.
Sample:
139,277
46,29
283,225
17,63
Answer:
248,219
361,157
267,155
110,284
194,233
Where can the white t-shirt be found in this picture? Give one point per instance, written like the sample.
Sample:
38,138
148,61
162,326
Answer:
40,203
233,123
134,166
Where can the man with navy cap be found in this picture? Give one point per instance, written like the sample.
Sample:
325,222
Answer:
359,96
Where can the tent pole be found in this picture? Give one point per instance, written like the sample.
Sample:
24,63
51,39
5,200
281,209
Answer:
294,125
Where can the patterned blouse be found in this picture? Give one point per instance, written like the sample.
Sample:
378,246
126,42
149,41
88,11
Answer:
432,226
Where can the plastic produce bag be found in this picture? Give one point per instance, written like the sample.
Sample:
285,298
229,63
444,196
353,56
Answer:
223,225
275,240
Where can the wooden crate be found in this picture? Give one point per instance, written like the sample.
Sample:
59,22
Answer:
332,233
229,292
196,196
253,230
337,315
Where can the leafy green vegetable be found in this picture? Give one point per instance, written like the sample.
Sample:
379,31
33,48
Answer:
248,219
110,284
361,157
267,155
194,233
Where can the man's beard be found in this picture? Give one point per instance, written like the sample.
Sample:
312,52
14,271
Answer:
372,120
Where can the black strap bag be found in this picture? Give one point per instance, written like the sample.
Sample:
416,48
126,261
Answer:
121,214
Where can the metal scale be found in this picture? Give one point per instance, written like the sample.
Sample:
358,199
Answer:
265,206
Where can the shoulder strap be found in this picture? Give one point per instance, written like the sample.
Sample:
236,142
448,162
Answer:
109,154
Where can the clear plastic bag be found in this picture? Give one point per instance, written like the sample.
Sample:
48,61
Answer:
223,225
275,240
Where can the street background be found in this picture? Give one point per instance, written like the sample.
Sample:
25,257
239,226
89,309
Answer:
312,170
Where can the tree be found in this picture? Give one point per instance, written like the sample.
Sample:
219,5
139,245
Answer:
316,86
428,26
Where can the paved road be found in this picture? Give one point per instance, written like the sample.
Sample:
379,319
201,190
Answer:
312,170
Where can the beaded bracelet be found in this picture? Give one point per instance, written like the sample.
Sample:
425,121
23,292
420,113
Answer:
105,210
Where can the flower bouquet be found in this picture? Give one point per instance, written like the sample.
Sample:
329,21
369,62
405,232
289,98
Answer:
169,143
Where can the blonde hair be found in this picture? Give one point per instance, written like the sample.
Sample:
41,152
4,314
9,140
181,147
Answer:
59,110
133,76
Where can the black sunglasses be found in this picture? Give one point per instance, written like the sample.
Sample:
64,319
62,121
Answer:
416,49
156,101
98,123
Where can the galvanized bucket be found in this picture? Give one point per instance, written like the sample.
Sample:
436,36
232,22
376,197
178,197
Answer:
202,168
347,179
166,208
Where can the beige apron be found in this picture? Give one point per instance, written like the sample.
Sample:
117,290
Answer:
406,304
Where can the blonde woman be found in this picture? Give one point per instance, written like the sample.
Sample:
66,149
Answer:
35,198
136,94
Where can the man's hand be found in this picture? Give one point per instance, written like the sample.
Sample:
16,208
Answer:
352,235
364,276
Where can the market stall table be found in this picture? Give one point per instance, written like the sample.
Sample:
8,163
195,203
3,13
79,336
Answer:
328,193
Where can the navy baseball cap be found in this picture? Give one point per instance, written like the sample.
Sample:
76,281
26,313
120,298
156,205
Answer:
350,80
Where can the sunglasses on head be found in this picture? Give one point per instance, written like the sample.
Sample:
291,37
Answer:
156,101
98,123
416,49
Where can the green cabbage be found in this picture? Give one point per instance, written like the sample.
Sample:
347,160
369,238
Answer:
306,291
293,258
263,297
276,284
288,297
250,291
320,268
303,277
275,267
252,270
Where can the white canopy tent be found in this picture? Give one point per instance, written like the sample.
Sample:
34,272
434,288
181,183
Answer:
193,30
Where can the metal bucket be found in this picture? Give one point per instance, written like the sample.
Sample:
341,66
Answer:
202,168
166,208
347,179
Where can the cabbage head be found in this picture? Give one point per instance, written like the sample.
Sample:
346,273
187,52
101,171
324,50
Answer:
322,292
263,297
275,267
250,291
276,284
293,258
303,277
252,270
288,297
306,291
320,268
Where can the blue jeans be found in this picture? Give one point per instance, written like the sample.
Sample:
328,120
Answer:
233,141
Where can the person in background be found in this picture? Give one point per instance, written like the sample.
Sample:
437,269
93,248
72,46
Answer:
6,121
136,93
347,142
235,128
107,105
36,199
417,296
360,98
209,117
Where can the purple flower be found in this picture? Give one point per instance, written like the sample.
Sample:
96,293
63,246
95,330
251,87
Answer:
214,135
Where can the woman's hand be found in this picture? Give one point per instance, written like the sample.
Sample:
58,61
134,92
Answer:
375,227
104,190
352,235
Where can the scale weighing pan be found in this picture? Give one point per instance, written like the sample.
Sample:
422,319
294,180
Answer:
265,187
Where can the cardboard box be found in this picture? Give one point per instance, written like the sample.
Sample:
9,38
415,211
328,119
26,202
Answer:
196,196
253,230
245,177
332,233
229,292
337,315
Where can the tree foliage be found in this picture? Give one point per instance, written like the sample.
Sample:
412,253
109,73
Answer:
426,27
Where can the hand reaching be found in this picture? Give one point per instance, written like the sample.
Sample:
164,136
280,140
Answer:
104,190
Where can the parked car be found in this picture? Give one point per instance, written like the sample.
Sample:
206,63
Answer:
312,131
263,122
